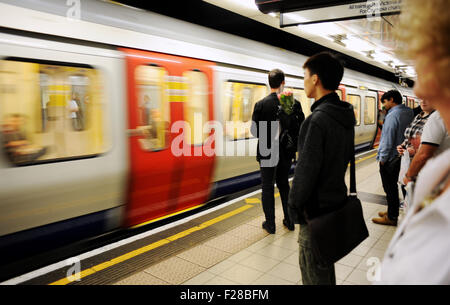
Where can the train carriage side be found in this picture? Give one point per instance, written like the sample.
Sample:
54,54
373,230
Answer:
236,92
64,102
364,103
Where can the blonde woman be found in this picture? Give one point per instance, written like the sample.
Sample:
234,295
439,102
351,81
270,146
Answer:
419,251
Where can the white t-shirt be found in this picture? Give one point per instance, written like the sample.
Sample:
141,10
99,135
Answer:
419,252
435,133
73,109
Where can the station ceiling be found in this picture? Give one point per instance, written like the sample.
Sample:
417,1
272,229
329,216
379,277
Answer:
368,39
365,46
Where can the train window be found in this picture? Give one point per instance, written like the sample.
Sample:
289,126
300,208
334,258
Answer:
355,100
369,110
239,100
197,109
51,111
300,95
153,112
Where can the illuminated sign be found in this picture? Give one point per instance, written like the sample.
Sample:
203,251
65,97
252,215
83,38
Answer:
363,9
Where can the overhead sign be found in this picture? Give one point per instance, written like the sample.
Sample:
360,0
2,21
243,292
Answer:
362,9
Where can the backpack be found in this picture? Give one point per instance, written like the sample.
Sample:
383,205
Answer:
290,127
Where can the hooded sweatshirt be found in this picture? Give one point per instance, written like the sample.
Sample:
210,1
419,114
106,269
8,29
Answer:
325,145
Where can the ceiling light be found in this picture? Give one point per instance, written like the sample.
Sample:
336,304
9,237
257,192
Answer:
250,4
369,54
411,72
292,18
357,44
389,63
397,62
382,57
338,39
322,29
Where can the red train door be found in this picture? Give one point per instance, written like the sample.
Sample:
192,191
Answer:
197,110
159,93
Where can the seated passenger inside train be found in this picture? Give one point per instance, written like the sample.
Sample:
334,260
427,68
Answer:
17,147
151,128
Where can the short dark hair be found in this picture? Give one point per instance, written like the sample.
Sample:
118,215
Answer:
398,99
328,68
276,77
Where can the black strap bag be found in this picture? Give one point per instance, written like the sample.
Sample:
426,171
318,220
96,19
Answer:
336,234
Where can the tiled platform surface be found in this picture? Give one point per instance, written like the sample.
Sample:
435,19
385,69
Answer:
247,255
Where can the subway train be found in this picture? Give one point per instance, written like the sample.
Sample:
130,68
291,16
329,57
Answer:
103,116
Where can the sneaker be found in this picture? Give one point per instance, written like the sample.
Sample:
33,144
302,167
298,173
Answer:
385,221
268,228
288,225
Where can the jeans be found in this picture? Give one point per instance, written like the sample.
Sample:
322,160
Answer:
280,175
313,271
389,176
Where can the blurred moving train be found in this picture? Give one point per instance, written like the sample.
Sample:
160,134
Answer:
91,105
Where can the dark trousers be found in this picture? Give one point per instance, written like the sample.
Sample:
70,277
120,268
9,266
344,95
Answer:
313,271
403,187
280,175
389,176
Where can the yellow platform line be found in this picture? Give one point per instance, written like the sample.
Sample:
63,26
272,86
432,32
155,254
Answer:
365,158
127,256
252,200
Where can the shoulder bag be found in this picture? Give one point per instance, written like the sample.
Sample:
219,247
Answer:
335,234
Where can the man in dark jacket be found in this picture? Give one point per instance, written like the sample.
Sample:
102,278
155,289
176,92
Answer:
274,164
325,146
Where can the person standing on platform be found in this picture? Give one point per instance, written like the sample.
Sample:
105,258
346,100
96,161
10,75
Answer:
397,120
74,112
274,165
434,140
414,131
325,146
412,136
419,250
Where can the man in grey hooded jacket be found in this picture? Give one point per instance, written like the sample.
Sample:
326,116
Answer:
325,146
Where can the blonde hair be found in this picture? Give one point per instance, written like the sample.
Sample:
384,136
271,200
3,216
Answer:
425,28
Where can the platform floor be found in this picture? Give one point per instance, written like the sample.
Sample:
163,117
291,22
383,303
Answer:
246,255
225,245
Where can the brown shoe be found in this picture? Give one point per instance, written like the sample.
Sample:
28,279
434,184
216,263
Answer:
384,221
382,214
